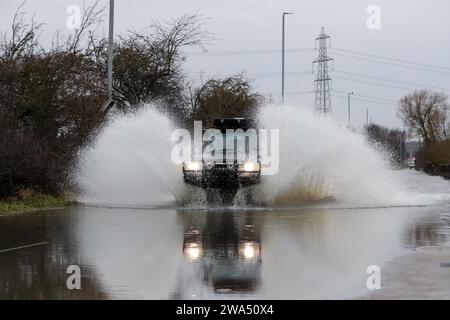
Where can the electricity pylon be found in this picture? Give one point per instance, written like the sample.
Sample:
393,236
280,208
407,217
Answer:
322,83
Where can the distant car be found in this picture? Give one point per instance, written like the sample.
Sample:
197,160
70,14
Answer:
412,163
225,169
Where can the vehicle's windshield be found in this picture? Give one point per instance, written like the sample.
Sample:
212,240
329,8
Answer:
240,145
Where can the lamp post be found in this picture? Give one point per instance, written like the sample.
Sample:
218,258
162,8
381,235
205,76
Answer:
367,117
110,103
110,47
349,110
282,58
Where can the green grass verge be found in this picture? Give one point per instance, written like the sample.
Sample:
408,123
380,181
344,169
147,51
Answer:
34,203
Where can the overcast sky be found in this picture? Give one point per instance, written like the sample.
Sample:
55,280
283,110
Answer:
410,50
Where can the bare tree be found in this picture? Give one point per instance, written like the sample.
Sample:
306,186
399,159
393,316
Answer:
148,65
425,113
445,122
23,39
185,31
50,105
229,97
91,17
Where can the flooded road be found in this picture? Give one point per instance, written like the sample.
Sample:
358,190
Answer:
319,251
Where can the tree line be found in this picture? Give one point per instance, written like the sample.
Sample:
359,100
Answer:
52,99
426,115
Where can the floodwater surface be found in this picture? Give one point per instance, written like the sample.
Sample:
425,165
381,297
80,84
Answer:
311,252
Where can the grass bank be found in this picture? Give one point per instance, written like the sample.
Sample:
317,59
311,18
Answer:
34,202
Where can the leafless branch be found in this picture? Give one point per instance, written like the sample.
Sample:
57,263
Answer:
23,39
91,17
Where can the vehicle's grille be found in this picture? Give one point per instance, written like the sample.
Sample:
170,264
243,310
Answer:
220,165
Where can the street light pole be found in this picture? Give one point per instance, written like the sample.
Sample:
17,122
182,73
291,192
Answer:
367,117
110,47
349,110
282,58
110,103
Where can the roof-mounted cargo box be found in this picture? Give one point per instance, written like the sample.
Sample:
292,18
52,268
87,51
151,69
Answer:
234,123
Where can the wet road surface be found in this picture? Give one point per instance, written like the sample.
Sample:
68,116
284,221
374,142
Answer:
201,253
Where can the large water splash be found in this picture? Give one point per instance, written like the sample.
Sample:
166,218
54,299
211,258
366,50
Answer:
129,164
321,160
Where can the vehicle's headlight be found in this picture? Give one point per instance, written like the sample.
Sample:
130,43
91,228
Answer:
249,167
192,251
249,250
193,166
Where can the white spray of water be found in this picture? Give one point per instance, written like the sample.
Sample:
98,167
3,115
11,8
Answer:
129,164
320,160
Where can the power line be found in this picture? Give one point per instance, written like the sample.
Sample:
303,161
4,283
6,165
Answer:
390,80
264,74
295,73
302,73
292,93
404,44
364,100
371,83
245,52
340,95
392,63
392,59
277,74
367,96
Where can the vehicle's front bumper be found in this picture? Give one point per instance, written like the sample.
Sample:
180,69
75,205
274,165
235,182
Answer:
221,177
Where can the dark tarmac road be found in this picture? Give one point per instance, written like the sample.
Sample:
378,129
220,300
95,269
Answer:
200,253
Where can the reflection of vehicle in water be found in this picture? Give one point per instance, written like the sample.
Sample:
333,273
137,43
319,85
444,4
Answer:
230,160
228,252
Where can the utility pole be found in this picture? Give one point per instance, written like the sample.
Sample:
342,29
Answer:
367,117
322,86
349,110
110,47
282,56
110,103
402,144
